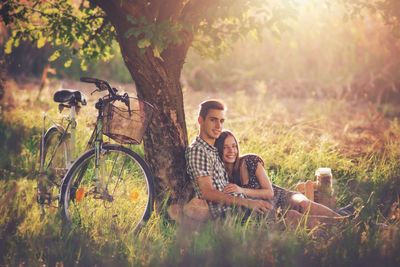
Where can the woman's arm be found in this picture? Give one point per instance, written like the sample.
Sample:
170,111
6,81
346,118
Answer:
210,193
266,191
263,179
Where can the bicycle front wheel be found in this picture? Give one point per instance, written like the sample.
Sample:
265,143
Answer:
116,203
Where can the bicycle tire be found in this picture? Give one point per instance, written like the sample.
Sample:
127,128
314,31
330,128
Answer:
129,185
54,154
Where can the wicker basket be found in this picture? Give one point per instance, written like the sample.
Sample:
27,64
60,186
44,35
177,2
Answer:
127,127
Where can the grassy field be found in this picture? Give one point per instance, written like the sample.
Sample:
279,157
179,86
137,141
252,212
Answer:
360,142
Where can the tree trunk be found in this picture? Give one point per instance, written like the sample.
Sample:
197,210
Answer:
157,81
166,137
3,73
3,65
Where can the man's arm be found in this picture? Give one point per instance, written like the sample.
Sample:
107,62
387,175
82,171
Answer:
211,194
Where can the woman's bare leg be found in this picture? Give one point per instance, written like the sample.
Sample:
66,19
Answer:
294,217
303,204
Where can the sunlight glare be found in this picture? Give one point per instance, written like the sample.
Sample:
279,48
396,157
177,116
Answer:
309,3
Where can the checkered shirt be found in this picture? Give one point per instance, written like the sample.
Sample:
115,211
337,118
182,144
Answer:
203,160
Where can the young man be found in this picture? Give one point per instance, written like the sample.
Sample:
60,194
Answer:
206,169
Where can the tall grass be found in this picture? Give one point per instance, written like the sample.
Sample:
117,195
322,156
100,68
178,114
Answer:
294,137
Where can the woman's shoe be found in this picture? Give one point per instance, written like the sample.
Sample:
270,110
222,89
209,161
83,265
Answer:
346,210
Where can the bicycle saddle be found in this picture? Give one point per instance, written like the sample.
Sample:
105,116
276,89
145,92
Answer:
70,96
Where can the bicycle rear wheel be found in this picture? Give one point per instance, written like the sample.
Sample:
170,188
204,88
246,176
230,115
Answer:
54,154
118,205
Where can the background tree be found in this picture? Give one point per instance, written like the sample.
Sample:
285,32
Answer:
388,9
154,37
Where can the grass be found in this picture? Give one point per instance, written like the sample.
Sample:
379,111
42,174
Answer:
293,136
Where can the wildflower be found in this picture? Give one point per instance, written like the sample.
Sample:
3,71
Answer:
80,194
134,195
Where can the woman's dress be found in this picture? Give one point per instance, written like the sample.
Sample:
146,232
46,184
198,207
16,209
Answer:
281,196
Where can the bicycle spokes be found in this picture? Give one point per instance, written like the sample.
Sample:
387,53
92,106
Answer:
119,199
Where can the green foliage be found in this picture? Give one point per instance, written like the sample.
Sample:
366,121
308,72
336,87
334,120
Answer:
76,31
157,36
18,149
85,32
112,69
229,21
389,11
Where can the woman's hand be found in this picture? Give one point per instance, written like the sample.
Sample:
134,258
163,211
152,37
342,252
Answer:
260,206
233,188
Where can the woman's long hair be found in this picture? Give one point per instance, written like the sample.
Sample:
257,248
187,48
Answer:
219,144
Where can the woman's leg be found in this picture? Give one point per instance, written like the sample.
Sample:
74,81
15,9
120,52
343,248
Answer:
293,218
302,204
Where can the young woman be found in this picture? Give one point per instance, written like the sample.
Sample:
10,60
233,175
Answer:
248,176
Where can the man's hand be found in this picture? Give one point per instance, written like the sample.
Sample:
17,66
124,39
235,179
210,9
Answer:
260,206
210,193
233,188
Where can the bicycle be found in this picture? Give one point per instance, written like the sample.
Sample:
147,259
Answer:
108,185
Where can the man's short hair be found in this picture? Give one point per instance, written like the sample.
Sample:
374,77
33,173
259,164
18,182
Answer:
210,104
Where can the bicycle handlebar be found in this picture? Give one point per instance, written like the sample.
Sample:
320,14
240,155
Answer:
100,84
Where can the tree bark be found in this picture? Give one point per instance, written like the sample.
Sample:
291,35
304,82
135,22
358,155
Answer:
157,81
3,74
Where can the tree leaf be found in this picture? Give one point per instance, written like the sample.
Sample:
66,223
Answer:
131,19
157,52
129,32
143,43
41,42
83,65
16,43
54,56
8,46
67,64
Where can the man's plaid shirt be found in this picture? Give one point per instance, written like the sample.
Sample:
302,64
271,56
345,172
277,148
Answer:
203,160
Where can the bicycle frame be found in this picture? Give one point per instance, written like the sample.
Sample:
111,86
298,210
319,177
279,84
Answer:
70,153
97,135
96,142
43,176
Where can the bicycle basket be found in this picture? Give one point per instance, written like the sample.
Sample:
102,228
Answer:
127,127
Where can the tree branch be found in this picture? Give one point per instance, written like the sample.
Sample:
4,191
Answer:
170,9
194,10
97,32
